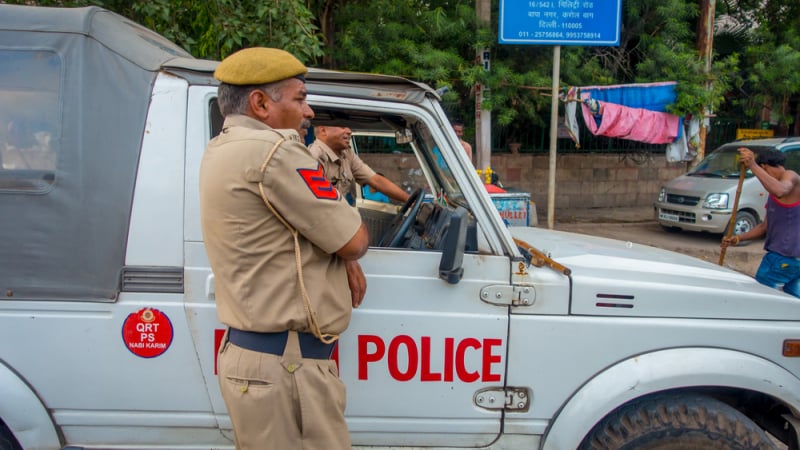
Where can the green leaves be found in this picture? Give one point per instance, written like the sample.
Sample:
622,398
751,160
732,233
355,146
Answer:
436,41
214,29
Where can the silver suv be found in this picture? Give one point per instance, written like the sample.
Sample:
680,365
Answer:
702,199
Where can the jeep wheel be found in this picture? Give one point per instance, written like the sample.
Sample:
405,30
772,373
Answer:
673,422
7,441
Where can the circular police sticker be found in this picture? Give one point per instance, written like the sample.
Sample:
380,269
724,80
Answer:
147,333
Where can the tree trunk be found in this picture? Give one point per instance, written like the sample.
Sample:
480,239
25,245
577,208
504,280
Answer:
327,28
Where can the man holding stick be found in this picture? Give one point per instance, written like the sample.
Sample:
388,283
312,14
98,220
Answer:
780,267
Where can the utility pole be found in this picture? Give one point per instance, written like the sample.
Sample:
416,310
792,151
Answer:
483,117
551,177
705,47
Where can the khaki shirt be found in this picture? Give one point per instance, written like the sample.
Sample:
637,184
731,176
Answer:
251,252
344,170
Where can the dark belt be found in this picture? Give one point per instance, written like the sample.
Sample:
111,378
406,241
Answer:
275,343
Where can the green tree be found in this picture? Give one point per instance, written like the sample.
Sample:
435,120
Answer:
435,41
766,32
212,29
430,41
657,43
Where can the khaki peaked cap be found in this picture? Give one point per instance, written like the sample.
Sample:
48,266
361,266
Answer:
258,65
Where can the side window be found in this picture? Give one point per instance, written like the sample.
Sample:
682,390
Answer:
215,117
30,88
407,174
371,143
793,159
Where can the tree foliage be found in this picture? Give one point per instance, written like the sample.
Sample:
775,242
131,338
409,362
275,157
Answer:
436,42
766,34
212,29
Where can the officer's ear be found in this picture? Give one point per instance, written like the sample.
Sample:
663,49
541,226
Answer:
258,102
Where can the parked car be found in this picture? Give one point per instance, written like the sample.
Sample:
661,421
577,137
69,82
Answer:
702,199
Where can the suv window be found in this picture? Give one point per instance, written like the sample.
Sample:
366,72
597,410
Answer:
793,159
30,83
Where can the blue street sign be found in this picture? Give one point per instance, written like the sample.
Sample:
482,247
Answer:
560,22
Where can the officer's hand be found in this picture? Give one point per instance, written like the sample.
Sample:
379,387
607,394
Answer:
356,281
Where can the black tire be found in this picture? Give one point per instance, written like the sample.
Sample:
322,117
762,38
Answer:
676,422
7,440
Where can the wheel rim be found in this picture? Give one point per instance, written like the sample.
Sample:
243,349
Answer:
742,226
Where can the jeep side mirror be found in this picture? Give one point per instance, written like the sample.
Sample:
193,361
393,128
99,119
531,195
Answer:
450,266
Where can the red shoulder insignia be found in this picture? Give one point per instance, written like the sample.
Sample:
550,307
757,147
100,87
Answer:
319,185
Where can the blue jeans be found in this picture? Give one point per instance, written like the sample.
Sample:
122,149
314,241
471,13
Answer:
778,270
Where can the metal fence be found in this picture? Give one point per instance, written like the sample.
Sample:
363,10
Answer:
536,139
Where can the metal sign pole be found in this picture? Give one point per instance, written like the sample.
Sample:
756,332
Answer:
540,22
551,179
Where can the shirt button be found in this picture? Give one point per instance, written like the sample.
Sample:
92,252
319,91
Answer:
291,368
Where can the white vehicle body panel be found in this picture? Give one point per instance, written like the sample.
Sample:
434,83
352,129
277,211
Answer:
23,411
420,309
623,279
156,228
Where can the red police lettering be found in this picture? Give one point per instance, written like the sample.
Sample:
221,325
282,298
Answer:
449,358
365,356
428,374
420,360
489,358
461,352
411,350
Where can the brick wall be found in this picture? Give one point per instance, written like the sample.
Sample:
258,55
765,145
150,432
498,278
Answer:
582,180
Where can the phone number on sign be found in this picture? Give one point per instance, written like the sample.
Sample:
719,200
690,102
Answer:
582,35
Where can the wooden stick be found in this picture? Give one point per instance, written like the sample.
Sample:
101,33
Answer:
539,259
732,222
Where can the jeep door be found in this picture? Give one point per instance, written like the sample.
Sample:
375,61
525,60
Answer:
419,349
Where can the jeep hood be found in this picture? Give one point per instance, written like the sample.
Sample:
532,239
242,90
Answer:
617,278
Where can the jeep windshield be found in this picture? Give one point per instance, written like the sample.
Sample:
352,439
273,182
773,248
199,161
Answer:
723,162
440,171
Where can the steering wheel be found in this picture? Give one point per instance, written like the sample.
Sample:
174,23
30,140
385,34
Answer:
405,217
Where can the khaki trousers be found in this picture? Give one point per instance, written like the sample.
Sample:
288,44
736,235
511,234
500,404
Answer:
283,402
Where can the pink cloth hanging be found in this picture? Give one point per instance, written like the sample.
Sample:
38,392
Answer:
635,124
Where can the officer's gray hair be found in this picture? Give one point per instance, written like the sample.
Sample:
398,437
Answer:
233,99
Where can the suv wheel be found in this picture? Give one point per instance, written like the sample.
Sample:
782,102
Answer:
744,222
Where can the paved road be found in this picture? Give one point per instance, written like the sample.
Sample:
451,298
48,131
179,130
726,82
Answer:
637,226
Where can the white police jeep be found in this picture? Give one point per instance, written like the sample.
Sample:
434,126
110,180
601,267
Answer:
472,334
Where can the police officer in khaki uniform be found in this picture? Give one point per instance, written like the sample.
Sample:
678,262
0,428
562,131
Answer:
344,168
279,238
